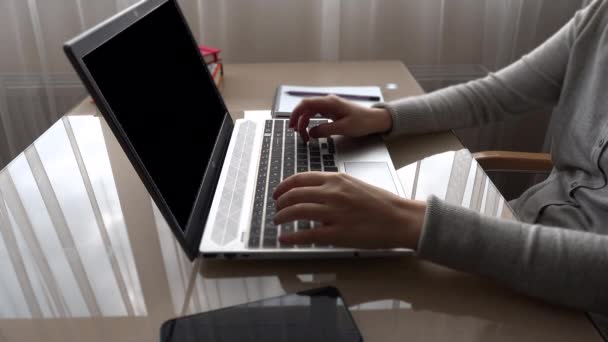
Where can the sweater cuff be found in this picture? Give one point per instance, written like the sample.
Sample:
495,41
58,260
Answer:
448,235
409,116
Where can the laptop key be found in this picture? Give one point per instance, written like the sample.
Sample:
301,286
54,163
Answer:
269,242
254,241
270,237
331,169
304,225
255,232
256,216
288,228
331,146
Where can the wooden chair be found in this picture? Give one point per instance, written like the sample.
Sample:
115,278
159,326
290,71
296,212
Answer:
506,161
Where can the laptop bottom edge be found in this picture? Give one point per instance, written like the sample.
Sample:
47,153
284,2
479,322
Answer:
305,254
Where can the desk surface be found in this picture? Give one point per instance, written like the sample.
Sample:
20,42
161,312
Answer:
86,255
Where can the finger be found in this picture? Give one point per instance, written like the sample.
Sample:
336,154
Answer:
324,235
299,195
322,105
296,113
302,211
303,122
299,180
325,130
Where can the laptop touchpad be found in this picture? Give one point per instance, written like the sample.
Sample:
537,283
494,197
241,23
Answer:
374,173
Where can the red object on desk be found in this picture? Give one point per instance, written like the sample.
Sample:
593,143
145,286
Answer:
210,54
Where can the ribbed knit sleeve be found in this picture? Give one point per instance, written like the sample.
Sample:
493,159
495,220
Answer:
563,266
534,82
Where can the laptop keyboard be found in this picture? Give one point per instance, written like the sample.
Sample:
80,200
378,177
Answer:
284,153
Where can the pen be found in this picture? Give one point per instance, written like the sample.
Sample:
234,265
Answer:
346,96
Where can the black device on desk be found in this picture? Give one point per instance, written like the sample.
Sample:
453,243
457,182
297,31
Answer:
314,315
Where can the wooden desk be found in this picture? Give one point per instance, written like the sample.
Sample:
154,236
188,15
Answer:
86,256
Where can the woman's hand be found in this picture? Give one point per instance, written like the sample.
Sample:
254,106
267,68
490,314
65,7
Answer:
351,213
349,118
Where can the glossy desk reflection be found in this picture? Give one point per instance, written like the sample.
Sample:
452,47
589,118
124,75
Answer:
86,255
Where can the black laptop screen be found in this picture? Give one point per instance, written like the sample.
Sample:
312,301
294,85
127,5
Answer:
154,81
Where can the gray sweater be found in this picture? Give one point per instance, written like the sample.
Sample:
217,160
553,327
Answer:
559,252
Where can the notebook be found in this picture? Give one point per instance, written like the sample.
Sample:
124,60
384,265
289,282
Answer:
287,97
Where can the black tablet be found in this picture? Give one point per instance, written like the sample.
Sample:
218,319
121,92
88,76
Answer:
314,315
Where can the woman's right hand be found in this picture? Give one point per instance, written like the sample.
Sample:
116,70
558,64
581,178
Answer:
349,118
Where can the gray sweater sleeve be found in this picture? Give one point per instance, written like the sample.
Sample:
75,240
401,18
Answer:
533,82
559,265
566,267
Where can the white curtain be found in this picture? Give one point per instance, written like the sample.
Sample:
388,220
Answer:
441,41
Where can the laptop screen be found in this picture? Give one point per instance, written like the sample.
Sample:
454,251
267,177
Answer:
153,79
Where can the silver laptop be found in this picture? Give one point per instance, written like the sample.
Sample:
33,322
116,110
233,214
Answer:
212,178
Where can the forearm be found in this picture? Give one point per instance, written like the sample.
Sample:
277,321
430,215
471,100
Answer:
559,265
531,83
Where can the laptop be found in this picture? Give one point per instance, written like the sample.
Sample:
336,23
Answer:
211,177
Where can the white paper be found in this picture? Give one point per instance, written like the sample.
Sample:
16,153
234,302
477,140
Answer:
287,103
